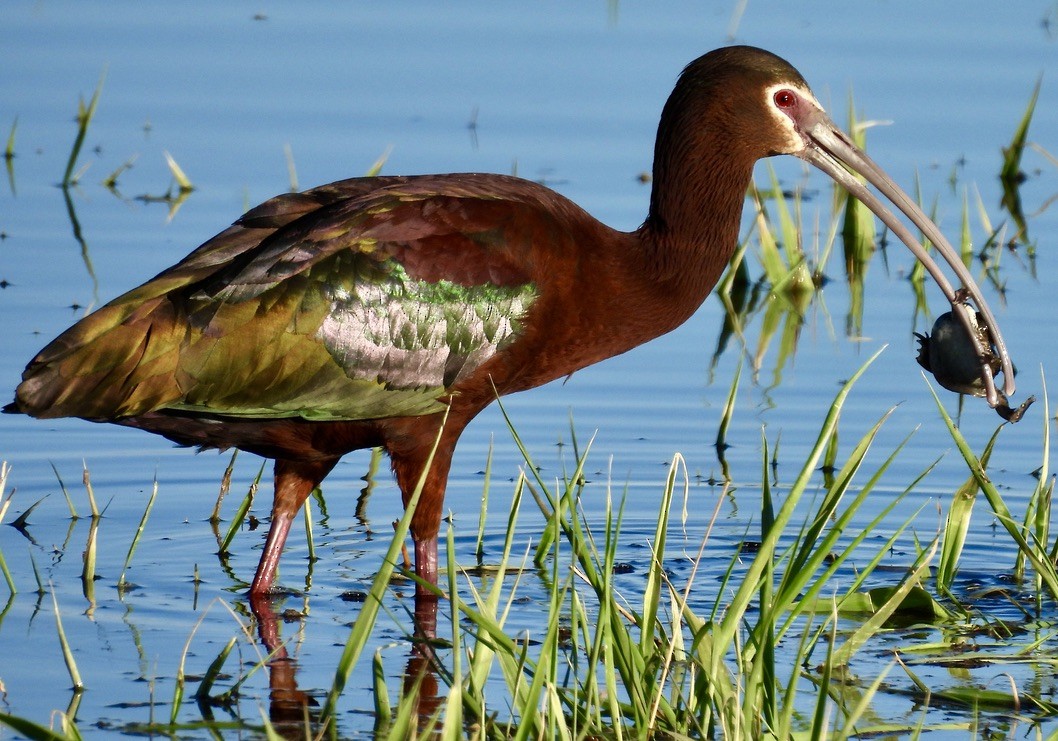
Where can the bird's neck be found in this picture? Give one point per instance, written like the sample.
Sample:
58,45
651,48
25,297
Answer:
696,204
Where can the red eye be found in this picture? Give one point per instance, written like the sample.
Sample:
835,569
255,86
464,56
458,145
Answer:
785,99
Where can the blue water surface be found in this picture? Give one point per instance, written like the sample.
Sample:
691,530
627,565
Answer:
568,94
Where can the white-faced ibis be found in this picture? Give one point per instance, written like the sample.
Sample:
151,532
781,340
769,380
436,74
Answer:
356,313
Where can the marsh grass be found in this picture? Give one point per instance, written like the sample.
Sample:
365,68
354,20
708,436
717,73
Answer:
1032,533
225,487
86,480
122,584
183,182
85,113
726,415
67,652
5,503
990,253
666,668
668,663
239,518
665,663
65,493
781,251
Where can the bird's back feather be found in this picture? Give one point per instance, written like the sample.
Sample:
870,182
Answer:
362,299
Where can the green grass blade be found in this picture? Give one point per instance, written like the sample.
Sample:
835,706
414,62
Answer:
225,486
12,589
1035,552
479,549
652,591
874,623
240,514
1011,175
726,415
383,711
452,730
760,689
86,479
5,502
730,623
31,730
65,493
376,167
182,181
1011,170
957,524
88,562
67,654
529,727
214,669
820,718
85,113
138,534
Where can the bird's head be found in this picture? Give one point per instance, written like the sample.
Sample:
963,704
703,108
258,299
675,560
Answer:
740,104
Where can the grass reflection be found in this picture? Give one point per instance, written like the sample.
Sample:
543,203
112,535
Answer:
78,236
9,157
1011,176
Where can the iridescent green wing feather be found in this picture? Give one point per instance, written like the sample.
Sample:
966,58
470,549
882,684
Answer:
360,308
351,337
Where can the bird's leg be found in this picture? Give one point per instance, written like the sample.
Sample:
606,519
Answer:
408,465
426,522
426,560
294,481
425,600
273,549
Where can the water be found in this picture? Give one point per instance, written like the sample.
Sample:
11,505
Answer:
565,95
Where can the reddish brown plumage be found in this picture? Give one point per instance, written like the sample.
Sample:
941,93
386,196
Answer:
166,357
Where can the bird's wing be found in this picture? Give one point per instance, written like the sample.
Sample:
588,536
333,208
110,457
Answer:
324,308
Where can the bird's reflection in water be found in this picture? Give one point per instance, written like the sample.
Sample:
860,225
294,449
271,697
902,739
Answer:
421,672
289,707
292,710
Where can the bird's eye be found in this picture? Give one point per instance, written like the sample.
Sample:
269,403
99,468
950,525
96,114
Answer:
785,99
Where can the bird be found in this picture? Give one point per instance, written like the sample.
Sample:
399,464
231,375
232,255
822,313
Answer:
947,352
388,311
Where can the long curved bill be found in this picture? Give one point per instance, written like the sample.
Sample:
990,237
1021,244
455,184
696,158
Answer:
829,149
